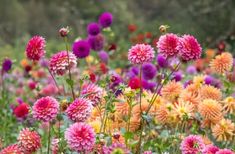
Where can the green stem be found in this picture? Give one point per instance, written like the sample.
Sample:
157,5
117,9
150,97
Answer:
57,86
49,138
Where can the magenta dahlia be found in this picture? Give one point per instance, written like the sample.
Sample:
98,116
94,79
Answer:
116,148
189,48
167,45
210,149
140,53
92,92
45,109
80,137
192,144
11,149
225,151
29,141
79,110
59,62
35,48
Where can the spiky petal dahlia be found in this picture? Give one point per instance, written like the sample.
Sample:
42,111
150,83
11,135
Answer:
225,151
189,48
192,144
140,53
210,92
12,149
229,105
172,90
210,110
167,45
35,48
59,62
79,110
224,130
29,141
80,137
92,92
116,148
222,63
45,109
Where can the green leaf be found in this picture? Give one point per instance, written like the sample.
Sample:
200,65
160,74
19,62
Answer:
70,82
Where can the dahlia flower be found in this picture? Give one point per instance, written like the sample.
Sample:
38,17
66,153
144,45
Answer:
35,48
55,146
81,49
140,53
59,62
210,149
210,92
93,28
96,42
80,137
162,61
104,56
189,48
183,110
167,45
229,105
225,151
105,19
93,92
12,149
45,109
222,63
79,110
6,65
29,141
21,110
223,130
149,71
192,144
171,90
134,83
116,148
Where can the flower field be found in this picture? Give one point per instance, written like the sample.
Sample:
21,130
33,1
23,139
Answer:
166,94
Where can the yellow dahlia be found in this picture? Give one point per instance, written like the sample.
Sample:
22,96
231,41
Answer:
211,110
210,92
171,90
224,130
183,110
198,80
222,63
229,105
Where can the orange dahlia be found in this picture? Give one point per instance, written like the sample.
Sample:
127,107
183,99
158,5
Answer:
210,92
187,96
162,114
171,90
224,130
211,110
229,105
222,63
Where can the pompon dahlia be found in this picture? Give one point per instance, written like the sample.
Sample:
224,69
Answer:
149,71
45,109
192,144
105,19
189,48
92,92
210,149
116,148
93,29
11,149
35,48
80,137
210,92
81,49
6,64
222,63
140,53
79,110
225,151
29,141
167,45
172,90
210,110
96,42
224,130
59,62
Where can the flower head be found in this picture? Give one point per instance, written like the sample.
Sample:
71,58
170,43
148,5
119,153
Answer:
140,53
189,48
45,109
29,141
223,130
104,56
35,48
224,151
93,92
134,83
149,71
167,45
21,110
96,42
6,64
79,110
81,49
80,137
192,144
106,19
93,29
222,63
116,148
162,61
12,149
210,149
59,62
172,90
210,92
229,105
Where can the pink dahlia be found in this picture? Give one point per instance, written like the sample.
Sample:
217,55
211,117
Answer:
79,110
225,151
116,148
11,149
45,109
189,48
80,137
55,146
92,92
192,144
59,62
35,48
210,149
141,53
147,152
29,141
167,45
